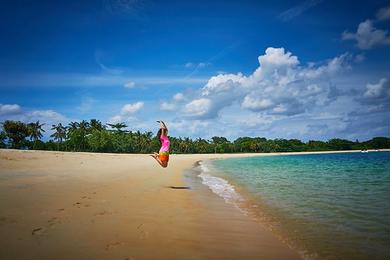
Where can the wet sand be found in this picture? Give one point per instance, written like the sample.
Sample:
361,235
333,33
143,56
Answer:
56,205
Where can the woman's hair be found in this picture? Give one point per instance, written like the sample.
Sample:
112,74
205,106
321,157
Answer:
159,135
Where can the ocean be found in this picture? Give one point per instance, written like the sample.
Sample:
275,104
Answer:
326,206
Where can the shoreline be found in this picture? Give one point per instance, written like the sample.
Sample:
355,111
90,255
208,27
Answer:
84,205
256,207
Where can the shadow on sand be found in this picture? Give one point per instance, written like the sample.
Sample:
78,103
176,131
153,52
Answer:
179,187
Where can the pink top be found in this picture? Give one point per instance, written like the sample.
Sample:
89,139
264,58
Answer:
164,143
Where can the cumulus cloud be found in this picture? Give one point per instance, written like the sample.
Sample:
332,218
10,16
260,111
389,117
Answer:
178,97
176,100
198,107
280,85
132,108
166,106
127,112
378,90
375,98
254,103
367,36
47,117
383,13
9,109
185,128
15,112
376,93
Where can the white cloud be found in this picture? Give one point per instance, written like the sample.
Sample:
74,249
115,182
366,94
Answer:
9,109
171,106
367,36
116,119
375,98
383,13
178,97
132,108
254,103
166,106
330,68
377,91
278,86
127,112
277,57
185,128
198,107
47,117
129,84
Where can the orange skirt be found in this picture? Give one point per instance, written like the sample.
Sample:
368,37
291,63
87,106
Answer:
164,156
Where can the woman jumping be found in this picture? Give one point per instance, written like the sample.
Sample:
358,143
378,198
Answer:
162,135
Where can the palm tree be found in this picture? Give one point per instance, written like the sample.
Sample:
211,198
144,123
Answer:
59,134
84,125
3,138
73,125
35,130
118,127
96,125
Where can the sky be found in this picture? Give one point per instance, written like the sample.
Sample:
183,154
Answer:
310,70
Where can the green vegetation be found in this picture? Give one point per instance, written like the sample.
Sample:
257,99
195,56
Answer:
93,136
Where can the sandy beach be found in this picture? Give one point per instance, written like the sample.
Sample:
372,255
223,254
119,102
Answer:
58,205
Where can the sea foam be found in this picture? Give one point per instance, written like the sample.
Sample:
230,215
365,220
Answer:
219,186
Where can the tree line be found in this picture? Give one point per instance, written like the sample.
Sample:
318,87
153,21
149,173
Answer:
94,136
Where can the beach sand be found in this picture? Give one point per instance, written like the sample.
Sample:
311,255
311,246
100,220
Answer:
63,205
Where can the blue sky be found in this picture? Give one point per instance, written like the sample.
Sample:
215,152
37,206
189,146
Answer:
278,69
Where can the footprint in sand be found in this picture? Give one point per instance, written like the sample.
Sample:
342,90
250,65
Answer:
6,220
113,245
77,204
53,221
102,213
143,234
37,231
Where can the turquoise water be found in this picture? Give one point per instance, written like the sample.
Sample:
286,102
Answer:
325,205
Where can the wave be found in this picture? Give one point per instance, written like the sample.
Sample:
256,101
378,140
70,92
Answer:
220,186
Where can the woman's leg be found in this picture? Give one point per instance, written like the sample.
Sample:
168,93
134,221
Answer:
163,164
